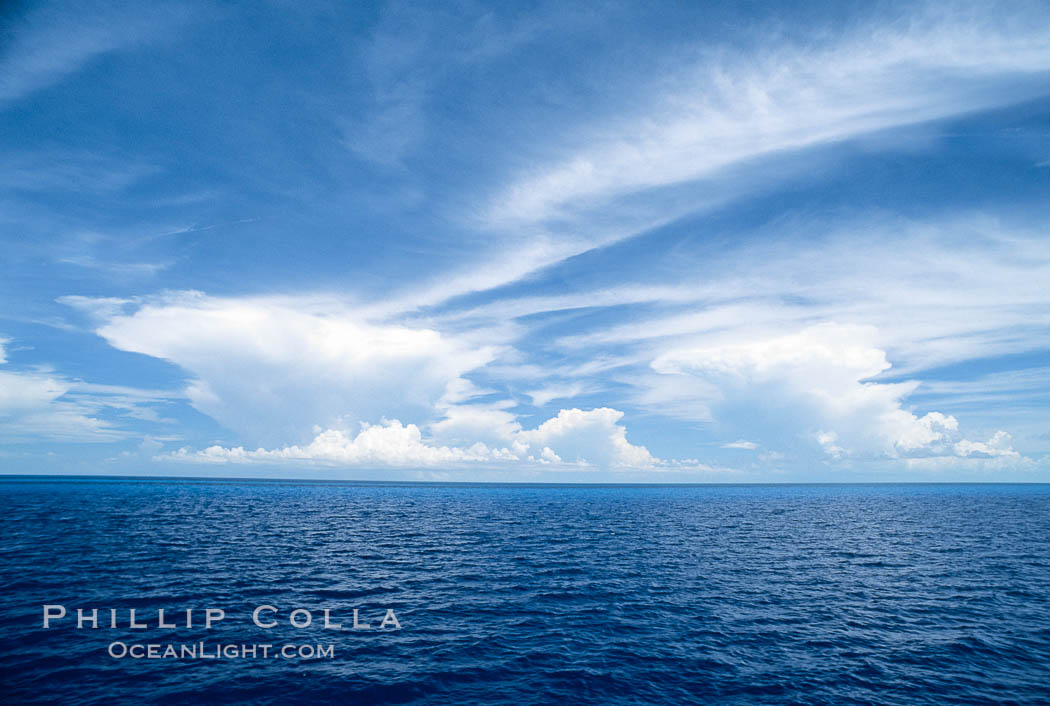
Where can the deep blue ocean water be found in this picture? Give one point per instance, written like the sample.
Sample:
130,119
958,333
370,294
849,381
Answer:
836,594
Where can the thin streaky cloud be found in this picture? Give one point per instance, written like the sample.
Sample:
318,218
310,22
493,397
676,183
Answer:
731,109
46,45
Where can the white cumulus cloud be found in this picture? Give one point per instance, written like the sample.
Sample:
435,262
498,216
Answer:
573,438
593,437
271,369
391,444
815,387
998,445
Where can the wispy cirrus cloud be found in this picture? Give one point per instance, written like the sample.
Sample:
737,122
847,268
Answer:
34,406
404,75
48,42
39,403
732,107
971,286
729,121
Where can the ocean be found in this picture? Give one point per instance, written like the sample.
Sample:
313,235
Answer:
523,594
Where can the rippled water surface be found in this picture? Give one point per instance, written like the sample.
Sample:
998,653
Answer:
897,594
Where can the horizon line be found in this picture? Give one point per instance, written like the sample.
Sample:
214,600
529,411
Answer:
8,477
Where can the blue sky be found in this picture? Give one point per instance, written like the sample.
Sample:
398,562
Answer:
531,241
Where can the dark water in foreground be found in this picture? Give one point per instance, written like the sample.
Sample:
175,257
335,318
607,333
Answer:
891,594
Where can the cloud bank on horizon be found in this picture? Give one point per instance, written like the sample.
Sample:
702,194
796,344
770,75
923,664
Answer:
632,242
